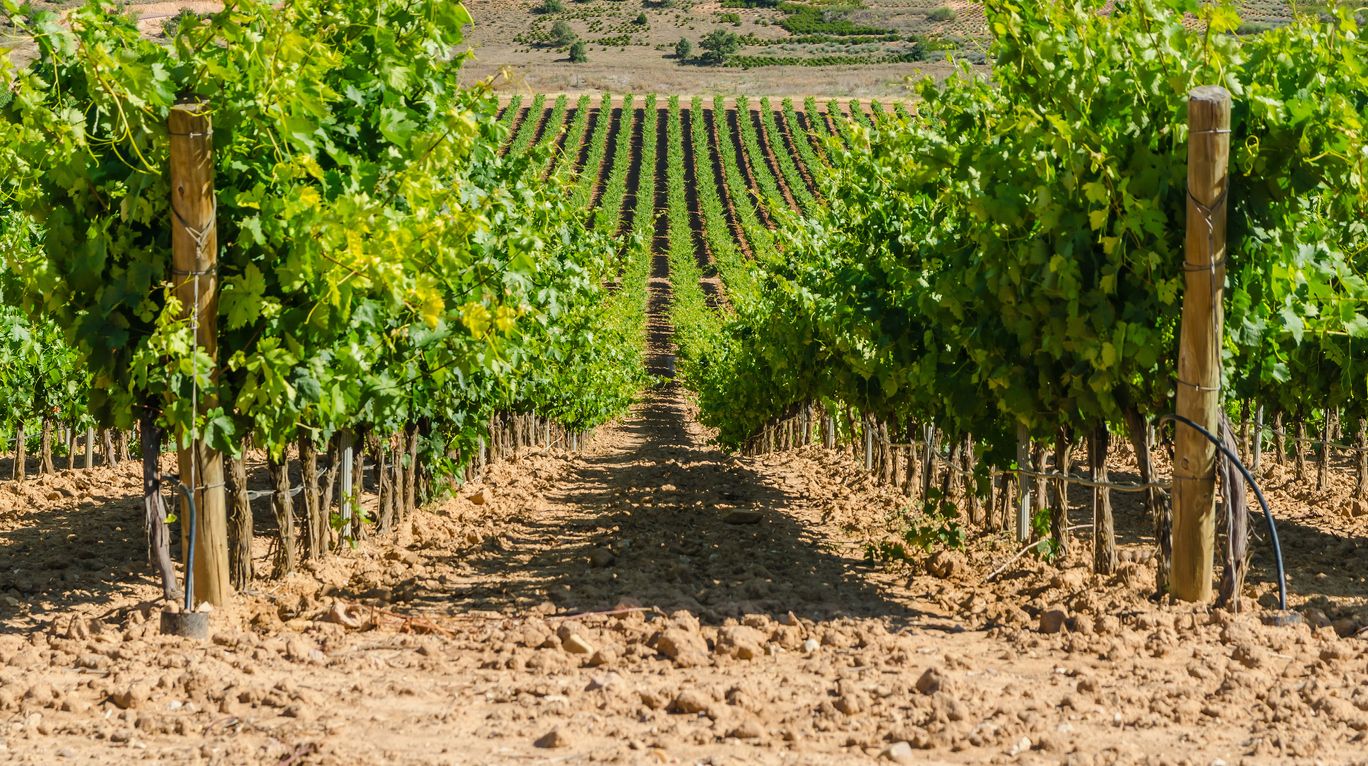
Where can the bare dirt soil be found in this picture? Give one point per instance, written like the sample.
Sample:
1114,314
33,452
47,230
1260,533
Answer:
652,600
625,57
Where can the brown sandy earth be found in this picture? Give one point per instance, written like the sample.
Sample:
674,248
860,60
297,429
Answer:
653,600
646,64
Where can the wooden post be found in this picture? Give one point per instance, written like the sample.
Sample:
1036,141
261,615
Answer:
90,448
345,498
1023,519
194,259
1199,344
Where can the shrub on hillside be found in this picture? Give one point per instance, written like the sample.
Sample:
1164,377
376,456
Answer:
718,45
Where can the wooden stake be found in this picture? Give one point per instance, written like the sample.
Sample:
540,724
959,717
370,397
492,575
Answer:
1023,517
1199,345
346,500
194,260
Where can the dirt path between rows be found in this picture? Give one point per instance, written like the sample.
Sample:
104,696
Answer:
749,630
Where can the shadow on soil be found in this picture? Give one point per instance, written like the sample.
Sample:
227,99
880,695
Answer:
662,508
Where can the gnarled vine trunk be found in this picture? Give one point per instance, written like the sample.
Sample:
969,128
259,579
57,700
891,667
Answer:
154,512
315,541
1059,514
241,569
107,447
1361,485
19,468
45,465
384,459
1104,529
286,551
411,470
1299,444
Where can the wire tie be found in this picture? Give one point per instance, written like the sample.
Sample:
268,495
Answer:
1197,386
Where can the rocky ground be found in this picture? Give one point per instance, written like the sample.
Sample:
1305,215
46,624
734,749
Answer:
652,600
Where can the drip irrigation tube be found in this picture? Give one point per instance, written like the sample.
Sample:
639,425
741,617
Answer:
1268,515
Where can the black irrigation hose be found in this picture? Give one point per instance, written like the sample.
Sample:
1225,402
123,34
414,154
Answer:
1268,515
190,549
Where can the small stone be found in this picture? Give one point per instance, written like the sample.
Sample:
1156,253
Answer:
931,681
574,643
742,517
1052,620
553,738
603,658
811,645
600,558
1021,746
899,752
691,702
651,700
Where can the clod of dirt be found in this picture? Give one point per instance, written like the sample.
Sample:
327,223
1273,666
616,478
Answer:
692,702
301,649
404,555
931,681
553,738
482,496
687,648
850,704
944,564
1052,620
600,558
748,728
131,696
740,641
346,615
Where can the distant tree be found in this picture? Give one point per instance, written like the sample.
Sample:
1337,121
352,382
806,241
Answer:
640,20
943,13
561,34
579,52
718,45
550,6
683,49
